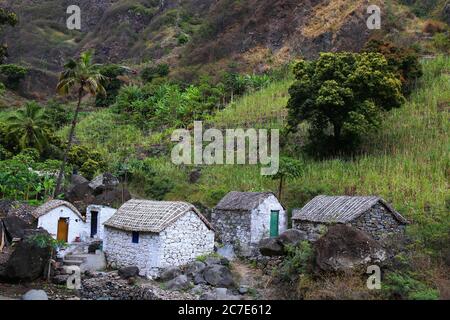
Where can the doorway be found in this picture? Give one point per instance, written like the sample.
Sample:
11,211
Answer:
94,223
274,220
63,229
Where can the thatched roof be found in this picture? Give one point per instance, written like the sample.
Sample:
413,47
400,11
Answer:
150,216
53,204
242,201
341,209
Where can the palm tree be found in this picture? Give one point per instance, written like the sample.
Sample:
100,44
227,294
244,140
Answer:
28,126
86,78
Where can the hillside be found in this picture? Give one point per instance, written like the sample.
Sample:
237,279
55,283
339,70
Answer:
195,37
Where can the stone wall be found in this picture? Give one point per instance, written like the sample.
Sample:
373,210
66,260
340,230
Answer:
122,252
185,240
182,242
378,222
233,227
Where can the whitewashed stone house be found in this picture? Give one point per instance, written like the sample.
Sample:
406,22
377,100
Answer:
154,235
372,215
61,219
242,219
96,216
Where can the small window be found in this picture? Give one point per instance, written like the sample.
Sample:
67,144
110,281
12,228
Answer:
135,237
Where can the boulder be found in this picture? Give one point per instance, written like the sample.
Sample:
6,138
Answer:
195,175
218,276
15,227
112,198
128,272
181,282
292,237
345,248
35,295
104,182
77,179
26,263
170,273
446,13
199,279
212,261
270,247
195,268
227,251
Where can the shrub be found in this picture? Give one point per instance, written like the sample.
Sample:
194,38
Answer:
404,286
297,261
111,83
441,42
12,74
433,26
153,72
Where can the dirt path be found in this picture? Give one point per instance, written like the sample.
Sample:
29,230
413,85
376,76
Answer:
253,278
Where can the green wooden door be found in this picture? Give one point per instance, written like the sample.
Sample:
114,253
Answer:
274,218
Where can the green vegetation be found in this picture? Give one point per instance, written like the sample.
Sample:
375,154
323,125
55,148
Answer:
86,78
11,75
342,97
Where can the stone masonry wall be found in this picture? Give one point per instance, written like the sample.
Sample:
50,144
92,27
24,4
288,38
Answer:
122,252
378,222
185,240
233,228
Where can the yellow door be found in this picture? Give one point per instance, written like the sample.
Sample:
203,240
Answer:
63,230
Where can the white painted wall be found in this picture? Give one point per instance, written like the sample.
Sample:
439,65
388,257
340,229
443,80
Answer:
49,222
260,223
104,213
122,252
185,240
182,242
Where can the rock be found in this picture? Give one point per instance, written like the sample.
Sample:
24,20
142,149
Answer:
195,175
94,246
170,273
27,262
199,279
112,198
222,294
77,179
446,13
15,227
218,275
128,272
227,251
270,247
104,182
212,261
35,295
344,248
197,290
243,289
60,279
181,282
195,268
292,237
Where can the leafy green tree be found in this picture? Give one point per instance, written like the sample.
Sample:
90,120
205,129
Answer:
342,96
402,61
112,83
27,127
85,76
288,169
148,74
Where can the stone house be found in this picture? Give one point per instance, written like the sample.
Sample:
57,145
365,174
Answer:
154,235
244,218
61,219
371,214
96,216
